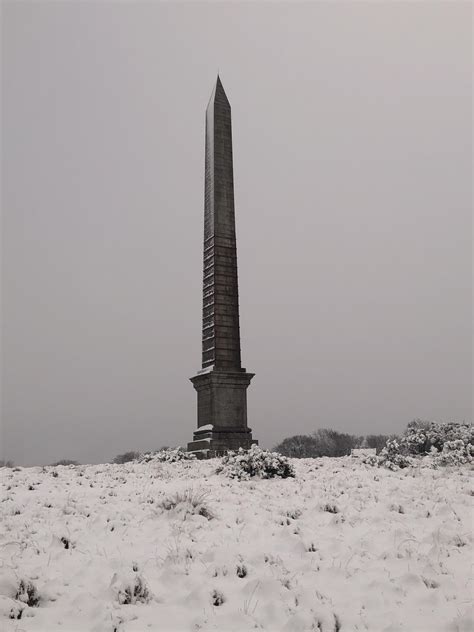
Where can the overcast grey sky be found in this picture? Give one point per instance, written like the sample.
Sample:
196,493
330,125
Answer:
352,156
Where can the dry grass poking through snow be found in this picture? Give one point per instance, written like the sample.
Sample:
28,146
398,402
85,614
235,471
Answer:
168,547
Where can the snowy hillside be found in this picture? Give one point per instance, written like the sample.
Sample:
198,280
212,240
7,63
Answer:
174,546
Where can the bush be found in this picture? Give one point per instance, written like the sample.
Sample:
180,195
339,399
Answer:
166,455
453,453
4,463
370,459
126,457
391,456
64,462
445,443
255,462
421,436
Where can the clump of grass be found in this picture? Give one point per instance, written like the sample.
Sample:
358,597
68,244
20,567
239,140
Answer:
217,598
294,514
136,592
241,570
430,583
65,542
331,508
188,502
27,593
16,613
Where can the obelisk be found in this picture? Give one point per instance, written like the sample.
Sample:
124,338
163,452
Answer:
222,383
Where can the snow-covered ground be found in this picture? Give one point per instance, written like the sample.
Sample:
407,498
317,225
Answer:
343,546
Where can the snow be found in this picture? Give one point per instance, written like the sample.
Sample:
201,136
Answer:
359,452
174,546
206,427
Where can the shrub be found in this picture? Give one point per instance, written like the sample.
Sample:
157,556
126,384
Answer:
370,459
255,462
126,457
421,436
65,462
166,455
445,444
4,463
453,453
391,456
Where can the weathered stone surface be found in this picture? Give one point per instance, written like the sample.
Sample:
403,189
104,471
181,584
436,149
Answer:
222,383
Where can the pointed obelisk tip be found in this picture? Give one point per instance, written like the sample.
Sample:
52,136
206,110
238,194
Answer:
219,89
218,94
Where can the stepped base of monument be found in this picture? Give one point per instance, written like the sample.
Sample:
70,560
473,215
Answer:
222,412
219,441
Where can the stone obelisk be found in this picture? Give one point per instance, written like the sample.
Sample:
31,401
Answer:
222,383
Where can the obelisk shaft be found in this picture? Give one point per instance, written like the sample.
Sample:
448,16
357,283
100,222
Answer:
220,335
222,383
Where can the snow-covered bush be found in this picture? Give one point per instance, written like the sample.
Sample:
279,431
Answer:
415,438
187,502
392,457
454,453
369,459
255,462
167,455
442,443
421,436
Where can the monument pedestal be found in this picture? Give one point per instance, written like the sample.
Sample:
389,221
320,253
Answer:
222,412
